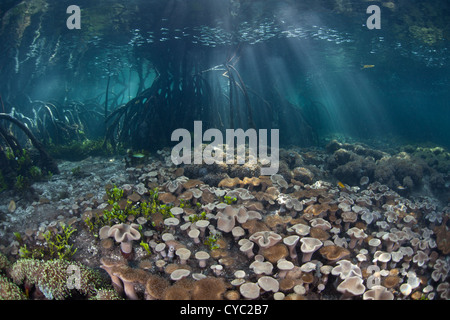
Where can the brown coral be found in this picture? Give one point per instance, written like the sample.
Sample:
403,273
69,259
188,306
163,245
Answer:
250,182
155,287
319,233
192,183
255,226
177,292
166,197
308,193
318,209
230,182
391,281
185,196
275,253
274,220
303,174
443,237
333,252
209,289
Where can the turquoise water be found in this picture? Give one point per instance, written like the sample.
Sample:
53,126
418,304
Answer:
352,97
341,76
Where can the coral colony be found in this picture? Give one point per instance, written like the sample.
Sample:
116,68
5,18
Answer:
290,235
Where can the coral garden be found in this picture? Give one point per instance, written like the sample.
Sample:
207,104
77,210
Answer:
343,222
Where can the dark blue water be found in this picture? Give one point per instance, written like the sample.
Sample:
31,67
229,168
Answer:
320,57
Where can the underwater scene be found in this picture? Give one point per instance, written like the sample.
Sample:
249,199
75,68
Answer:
224,150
